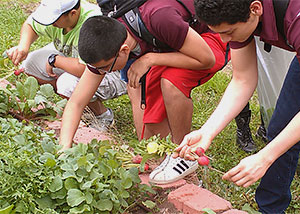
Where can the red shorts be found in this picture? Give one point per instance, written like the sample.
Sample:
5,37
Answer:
185,80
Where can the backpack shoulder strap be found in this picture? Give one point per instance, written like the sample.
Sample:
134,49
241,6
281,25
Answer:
192,20
280,7
135,23
123,6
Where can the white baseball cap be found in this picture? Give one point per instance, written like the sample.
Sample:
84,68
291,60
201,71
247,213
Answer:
49,11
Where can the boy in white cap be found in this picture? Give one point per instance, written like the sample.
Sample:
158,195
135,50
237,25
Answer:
58,63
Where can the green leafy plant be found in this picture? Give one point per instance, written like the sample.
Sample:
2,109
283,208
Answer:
208,211
23,178
84,179
30,101
154,147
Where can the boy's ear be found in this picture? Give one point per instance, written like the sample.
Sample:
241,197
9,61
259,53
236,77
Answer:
73,12
256,8
124,50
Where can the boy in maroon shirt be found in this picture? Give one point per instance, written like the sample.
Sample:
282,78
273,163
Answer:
194,55
237,22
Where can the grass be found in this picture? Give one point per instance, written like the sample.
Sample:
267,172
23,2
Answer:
224,150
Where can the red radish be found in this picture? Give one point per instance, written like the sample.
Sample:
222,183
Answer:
199,151
137,159
19,71
203,161
146,167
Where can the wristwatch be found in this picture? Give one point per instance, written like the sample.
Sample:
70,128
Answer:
51,60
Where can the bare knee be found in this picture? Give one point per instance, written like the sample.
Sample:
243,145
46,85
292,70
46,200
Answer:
161,128
170,92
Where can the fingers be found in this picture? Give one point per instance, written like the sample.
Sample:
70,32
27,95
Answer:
49,70
10,52
135,72
18,59
184,150
240,177
187,155
175,154
233,175
15,55
133,79
183,144
52,74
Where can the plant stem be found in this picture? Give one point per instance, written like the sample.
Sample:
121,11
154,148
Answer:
216,170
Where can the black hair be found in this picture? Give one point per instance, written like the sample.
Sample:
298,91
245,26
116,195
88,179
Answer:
100,38
216,12
76,7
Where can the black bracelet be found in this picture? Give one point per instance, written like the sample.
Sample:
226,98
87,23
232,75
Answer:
51,60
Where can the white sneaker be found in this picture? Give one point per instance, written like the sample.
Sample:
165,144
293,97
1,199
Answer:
172,169
103,121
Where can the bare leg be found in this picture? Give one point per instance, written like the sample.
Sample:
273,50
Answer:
179,110
157,128
42,82
135,99
97,107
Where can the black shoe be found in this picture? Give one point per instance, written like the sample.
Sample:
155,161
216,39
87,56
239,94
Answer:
262,133
243,133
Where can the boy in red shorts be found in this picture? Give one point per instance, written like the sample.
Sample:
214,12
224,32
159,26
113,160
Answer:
193,56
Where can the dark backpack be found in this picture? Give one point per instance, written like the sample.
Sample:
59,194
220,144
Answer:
128,10
280,7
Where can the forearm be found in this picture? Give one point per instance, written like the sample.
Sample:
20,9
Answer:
80,98
177,60
27,37
238,92
195,54
70,65
231,104
70,121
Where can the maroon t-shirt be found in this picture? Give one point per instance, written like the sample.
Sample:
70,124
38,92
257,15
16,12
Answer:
268,30
167,21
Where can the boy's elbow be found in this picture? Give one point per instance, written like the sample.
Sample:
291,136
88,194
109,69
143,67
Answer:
209,62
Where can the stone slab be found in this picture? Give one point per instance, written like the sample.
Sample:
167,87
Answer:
192,199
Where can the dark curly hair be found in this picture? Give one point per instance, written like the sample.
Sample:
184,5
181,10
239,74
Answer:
100,38
216,12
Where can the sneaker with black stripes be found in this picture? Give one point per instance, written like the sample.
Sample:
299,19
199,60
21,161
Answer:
172,169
